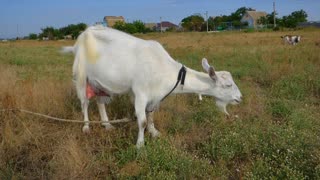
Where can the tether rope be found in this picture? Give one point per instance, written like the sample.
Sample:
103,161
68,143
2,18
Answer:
65,120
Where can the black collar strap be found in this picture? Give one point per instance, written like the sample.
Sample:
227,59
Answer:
181,77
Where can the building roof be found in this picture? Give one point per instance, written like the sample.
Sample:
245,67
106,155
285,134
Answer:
166,24
255,14
111,20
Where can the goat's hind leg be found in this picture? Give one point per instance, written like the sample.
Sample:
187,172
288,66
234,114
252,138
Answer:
84,106
101,100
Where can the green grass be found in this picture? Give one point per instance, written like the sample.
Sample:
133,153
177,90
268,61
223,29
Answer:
273,134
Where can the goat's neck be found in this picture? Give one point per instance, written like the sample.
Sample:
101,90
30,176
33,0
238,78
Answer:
196,82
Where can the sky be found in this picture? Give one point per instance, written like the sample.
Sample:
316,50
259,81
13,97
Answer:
22,17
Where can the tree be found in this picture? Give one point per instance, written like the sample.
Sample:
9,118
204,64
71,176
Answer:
211,24
268,20
130,28
73,29
294,18
139,26
226,20
120,25
47,32
237,15
33,36
290,21
53,33
193,22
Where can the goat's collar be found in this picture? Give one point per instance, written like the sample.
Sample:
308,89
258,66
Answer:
181,77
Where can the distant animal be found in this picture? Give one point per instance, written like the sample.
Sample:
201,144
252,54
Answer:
109,62
293,40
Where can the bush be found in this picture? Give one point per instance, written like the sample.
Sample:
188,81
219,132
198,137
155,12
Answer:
135,27
277,28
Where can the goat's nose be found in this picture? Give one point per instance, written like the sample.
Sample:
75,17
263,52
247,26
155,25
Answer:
238,98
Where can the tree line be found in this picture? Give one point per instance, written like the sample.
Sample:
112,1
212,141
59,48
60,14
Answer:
134,27
51,33
289,21
195,22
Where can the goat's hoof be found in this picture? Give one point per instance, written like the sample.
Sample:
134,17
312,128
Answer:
86,129
139,145
155,134
109,127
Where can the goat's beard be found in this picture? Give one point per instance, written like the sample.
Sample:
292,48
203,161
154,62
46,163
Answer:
222,106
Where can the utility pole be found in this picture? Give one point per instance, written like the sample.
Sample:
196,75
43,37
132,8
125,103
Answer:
274,14
207,21
161,24
17,30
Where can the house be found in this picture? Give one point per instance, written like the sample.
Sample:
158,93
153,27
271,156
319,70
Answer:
252,17
111,20
165,25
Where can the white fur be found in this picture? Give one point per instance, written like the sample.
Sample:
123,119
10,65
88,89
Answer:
120,63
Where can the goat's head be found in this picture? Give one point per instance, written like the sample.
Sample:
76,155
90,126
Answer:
225,91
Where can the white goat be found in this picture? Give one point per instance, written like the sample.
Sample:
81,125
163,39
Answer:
109,62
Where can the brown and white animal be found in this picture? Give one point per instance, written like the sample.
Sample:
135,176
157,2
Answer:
109,62
293,40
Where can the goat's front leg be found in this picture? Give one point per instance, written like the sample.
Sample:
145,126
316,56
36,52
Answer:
152,130
140,107
103,114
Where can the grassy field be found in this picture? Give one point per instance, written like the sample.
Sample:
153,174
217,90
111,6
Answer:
276,134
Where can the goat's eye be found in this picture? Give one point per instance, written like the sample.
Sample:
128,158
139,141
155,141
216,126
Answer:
229,85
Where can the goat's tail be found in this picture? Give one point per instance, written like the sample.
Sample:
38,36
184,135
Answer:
80,74
86,53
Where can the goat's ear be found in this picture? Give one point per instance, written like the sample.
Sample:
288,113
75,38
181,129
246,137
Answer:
212,73
205,65
209,69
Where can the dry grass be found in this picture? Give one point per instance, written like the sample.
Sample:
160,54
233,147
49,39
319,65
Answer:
36,77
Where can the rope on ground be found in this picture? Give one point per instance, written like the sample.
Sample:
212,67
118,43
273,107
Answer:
65,120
